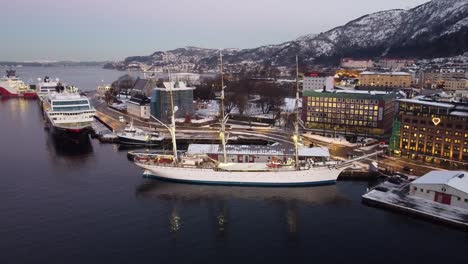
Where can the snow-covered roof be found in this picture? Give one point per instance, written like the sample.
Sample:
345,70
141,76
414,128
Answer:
314,152
459,113
195,149
176,86
385,73
426,103
454,179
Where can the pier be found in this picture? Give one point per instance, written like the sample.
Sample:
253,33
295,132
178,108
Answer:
394,196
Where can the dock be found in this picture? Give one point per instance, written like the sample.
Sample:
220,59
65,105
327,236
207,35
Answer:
395,197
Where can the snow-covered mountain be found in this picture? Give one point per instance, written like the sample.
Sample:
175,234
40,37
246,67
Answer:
438,28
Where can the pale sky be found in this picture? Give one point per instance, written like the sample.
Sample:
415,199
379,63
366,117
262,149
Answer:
115,29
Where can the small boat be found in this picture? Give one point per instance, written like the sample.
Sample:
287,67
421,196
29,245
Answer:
136,136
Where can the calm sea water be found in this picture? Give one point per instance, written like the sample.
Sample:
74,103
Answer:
88,204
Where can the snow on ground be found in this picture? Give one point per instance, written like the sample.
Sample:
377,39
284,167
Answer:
196,121
252,109
338,141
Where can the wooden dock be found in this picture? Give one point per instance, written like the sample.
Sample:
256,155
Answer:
395,197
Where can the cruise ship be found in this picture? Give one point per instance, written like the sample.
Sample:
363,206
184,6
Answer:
67,112
12,86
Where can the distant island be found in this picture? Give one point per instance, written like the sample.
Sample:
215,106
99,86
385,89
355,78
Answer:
53,63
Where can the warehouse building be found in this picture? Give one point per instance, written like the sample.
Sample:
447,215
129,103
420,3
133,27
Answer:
446,187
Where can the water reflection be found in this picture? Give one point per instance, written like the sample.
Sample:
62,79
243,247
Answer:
217,200
193,193
65,147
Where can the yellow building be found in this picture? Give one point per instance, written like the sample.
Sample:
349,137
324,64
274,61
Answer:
456,84
385,79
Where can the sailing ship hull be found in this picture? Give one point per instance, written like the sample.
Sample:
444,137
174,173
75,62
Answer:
310,177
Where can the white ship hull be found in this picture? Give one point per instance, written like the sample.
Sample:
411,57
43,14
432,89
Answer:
313,176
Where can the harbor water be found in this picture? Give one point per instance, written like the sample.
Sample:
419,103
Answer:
86,203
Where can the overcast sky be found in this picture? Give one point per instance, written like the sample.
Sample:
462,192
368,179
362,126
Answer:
114,29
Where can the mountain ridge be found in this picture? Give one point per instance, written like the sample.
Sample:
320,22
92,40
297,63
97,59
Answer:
438,28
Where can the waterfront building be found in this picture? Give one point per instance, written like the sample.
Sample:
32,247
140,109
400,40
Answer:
447,187
433,131
161,100
139,106
385,80
102,89
258,153
317,81
349,112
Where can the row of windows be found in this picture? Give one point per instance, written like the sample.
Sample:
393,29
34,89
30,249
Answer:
443,189
342,100
342,121
70,108
344,105
76,102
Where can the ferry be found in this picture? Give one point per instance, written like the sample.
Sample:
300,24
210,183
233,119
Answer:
201,169
12,86
67,112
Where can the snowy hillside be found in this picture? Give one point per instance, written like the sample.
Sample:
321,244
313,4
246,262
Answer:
438,28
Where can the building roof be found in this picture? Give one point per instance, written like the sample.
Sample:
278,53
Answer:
279,150
356,94
430,103
455,179
175,86
386,73
139,99
140,84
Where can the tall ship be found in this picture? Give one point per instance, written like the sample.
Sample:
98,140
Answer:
67,112
12,86
202,169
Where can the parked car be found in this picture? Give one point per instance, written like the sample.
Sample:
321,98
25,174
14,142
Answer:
408,169
121,119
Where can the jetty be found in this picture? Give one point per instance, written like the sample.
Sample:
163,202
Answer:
395,196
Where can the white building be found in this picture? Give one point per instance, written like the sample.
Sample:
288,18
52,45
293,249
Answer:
313,83
139,105
447,187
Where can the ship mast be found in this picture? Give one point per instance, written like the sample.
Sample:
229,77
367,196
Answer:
223,118
172,126
296,123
